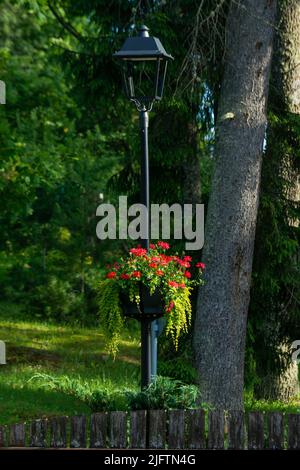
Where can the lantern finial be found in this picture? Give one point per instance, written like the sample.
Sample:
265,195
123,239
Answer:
143,31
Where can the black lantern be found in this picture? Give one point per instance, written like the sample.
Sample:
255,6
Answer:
144,68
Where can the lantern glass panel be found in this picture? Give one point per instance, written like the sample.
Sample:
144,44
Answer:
144,79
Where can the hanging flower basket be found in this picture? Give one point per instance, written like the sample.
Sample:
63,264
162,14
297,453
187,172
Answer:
151,306
148,285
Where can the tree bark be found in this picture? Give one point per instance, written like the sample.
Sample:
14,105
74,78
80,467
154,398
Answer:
220,324
281,382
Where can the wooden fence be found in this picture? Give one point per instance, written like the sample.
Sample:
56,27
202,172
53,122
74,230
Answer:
176,429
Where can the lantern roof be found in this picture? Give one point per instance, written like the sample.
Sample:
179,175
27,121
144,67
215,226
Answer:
142,47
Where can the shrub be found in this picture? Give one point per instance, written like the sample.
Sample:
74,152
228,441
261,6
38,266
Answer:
164,393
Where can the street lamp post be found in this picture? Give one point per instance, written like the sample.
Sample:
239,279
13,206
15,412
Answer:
144,61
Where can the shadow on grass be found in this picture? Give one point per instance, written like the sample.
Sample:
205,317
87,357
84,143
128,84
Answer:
24,404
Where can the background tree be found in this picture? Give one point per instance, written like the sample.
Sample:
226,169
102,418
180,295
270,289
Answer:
220,326
274,309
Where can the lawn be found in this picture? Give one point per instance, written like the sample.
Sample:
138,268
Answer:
47,363
37,350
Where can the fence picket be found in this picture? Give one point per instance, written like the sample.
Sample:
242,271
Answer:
195,429
58,432
276,430
236,430
2,436
138,429
99,429
176,429
78,432
294,431
118,429
38,433
255,430
17,435
216,429
157,429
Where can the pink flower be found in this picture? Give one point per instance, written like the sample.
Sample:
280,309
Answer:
187,258
152,246
163,245
200,265
111,275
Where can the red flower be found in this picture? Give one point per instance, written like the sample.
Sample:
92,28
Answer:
153,265
171,305
136,274
173,284
138,251
182,285
159,272
187,274
200,265
163,245
125,276
152,246
167,259
183,263
187,258
155,259
111,275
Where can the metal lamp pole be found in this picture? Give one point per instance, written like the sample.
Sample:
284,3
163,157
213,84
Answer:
145,200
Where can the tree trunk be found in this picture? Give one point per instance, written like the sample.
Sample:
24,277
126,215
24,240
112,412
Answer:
220,325
278,380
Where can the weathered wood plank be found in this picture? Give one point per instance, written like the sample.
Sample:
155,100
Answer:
216,429
2,436
118,429
157,429
275,430
138,429
38,433
294,431
195,421
255,430
58,432
78,432
236,430
99,430
176,429
17,435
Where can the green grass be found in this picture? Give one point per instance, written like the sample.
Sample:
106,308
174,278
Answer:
51,370
37,349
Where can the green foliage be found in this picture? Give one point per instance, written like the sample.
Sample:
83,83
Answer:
57,300
111,317
163,394
178,368
274,319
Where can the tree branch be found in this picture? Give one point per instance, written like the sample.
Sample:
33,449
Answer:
67,26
